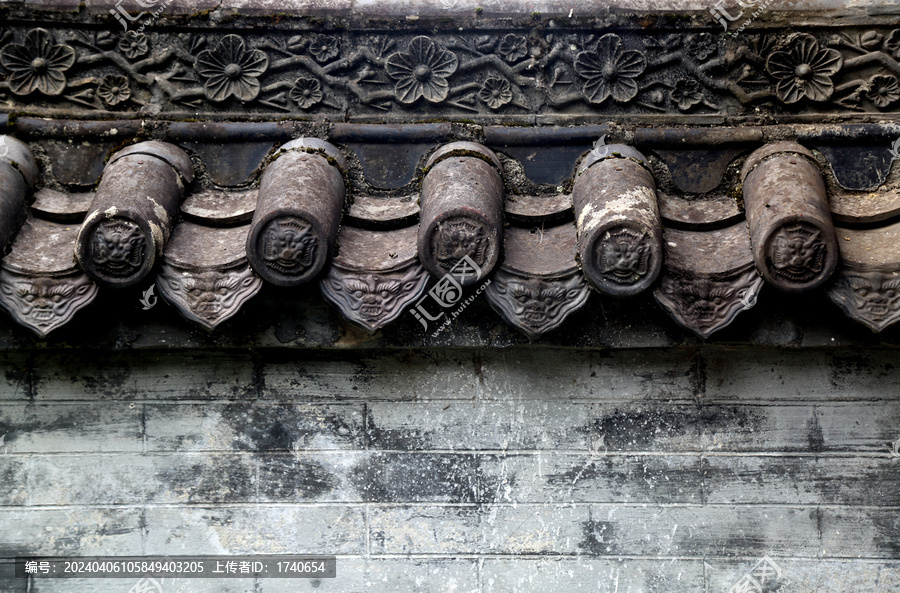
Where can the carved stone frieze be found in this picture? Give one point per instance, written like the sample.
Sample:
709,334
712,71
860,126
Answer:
375,276
205,273
538,285
540,68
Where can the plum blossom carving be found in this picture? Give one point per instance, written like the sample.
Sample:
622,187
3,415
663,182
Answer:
114,89
610,71
701,46
38,64
134,45
306,92
513,47
495,92
324,48
804,70
687,93
231,70
422,71
883,90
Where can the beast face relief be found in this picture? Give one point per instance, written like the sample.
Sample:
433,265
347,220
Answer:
871,298
458,237
44,303
536,306
289,245
117,247
623,255
705,305
208,297
372,300
797,252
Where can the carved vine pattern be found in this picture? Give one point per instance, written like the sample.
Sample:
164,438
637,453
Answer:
494,72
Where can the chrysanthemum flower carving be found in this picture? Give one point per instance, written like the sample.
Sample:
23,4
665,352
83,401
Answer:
231,70
495,92
883,90
113,89
804,70
38,64
306,92
610,71
422,71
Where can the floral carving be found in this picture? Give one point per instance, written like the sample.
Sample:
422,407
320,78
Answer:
134,45
609,71
231,70
623,255
702,46
114,89
706,305
422,71
797,252
117,247
372,300
208,297
289,245
883,90
687,93
38,64
307,92
324,48
513,48
495,92
536,306
45,303
871,298
804,70
458,237
892,44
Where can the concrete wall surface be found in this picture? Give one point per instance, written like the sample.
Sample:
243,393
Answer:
673,470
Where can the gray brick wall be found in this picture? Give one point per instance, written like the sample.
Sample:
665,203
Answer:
519,470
